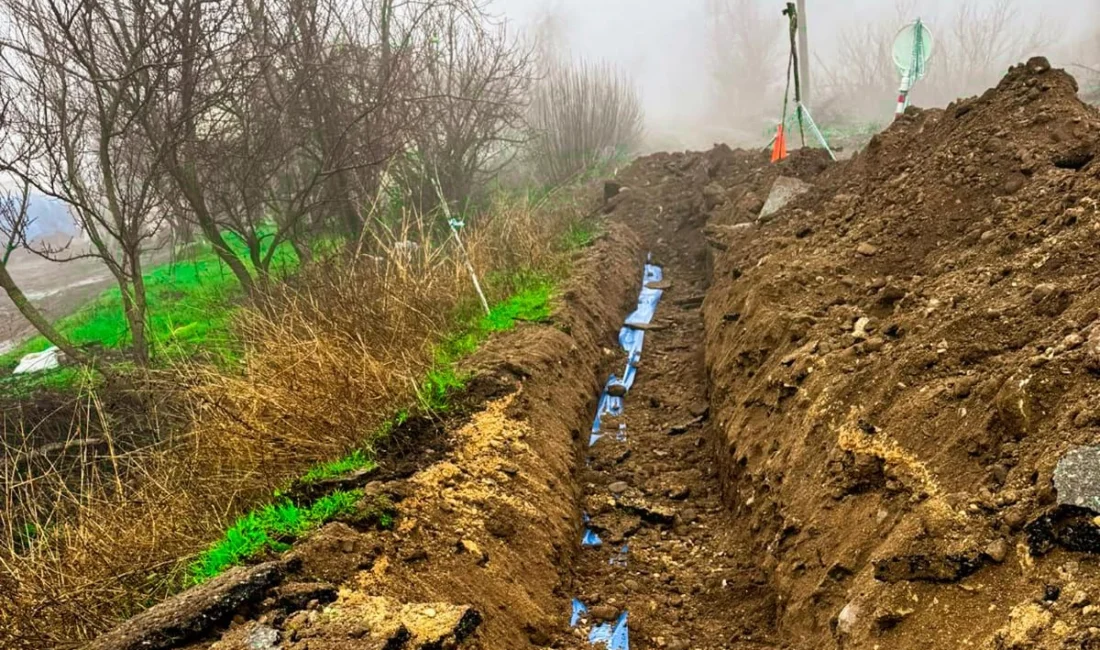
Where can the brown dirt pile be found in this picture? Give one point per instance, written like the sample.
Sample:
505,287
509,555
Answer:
898,359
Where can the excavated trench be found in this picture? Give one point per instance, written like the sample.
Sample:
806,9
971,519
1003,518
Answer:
526,513
845,426
663,563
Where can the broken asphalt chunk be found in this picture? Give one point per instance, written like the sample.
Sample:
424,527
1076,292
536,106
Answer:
195,612
1077,478
1070,527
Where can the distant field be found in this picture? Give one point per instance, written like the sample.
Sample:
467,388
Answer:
190,303
57,289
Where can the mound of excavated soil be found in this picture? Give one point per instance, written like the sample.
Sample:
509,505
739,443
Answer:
897,361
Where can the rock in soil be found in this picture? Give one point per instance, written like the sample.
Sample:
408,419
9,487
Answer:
369,623
784,190
298,595
1077,478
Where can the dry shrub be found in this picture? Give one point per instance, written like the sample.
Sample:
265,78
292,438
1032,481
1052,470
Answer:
340,350
583,115
72,534
329,357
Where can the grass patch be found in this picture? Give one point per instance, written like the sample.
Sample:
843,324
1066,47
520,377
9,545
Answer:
270,528
190,306
56,379
354,461
581,234
529,302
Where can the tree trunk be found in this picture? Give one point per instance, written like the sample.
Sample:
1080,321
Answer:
387,14
38,320
135,315
179,163
352,222
302,250
194,197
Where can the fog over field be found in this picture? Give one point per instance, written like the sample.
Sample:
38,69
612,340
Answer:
676,50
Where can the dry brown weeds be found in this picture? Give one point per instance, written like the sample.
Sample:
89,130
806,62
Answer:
328,358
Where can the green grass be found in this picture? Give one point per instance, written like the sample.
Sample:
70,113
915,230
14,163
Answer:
190,306
529,302
66,378
354,461
581,234
270,529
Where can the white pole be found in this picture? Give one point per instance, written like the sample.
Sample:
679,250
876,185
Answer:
804,52
461,247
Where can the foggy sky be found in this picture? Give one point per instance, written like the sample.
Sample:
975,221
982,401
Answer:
663,44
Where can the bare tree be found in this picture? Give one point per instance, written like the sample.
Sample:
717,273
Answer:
549,34
257,122
393,100
861,79
69,71
478,78
181,97
14,221
979,44
582,115
747,54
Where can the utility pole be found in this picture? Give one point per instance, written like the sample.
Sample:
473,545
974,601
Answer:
804,53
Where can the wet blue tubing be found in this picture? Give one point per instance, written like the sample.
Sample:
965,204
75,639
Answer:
590,537
609,405
648,299
578,610
631,340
